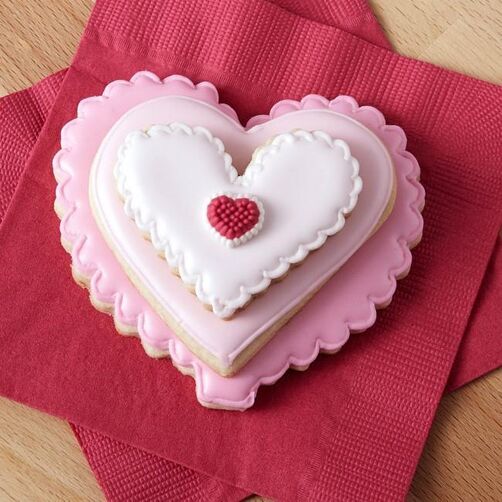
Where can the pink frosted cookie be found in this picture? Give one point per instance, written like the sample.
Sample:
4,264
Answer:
169,205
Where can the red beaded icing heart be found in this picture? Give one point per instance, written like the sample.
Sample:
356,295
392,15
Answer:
235,218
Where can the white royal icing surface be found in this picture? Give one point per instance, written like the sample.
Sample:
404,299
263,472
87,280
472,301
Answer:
307,181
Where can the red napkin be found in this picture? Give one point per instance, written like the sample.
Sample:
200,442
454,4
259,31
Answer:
352,16
358,88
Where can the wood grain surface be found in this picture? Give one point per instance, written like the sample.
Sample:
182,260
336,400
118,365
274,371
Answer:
39,457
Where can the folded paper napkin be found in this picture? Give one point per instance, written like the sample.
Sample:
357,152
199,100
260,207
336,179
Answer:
422,348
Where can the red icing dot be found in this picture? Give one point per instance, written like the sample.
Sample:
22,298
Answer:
232,218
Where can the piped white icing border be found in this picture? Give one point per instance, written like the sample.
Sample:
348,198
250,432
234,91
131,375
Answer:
250,233
224,307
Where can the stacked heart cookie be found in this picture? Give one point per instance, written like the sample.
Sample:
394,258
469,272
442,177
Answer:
199,234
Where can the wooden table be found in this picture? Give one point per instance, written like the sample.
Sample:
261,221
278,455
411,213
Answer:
39,457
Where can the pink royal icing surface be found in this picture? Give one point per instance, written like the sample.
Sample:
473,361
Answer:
344,304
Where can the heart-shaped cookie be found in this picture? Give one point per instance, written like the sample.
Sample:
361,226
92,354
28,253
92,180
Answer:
108,251
227,345
166,174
